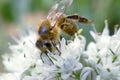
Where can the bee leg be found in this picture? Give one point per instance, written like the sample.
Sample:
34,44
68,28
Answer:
59,44
59,41
79,18
54,44
61,37
69,28
41,57
49,58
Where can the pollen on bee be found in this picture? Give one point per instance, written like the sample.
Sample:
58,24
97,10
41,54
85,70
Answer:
79,31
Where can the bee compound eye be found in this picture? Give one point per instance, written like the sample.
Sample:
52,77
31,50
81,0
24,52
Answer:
38,44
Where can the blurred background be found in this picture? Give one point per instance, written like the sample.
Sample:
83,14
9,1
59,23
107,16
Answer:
17,13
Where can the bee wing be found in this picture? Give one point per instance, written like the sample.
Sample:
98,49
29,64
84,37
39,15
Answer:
57,10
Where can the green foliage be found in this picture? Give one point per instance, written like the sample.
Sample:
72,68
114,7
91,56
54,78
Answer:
6,10
98,10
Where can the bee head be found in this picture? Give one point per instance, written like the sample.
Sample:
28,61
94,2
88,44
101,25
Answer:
44,45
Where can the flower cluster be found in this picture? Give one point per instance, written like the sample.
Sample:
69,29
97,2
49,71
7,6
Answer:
104,54
100,61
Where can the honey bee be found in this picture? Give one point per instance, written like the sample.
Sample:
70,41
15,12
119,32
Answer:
49,29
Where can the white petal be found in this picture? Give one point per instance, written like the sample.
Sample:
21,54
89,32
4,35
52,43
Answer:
106,30
85,73
10,76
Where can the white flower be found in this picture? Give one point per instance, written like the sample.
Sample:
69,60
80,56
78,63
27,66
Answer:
10,76
101,60
24,53
66,65
103,54
104,40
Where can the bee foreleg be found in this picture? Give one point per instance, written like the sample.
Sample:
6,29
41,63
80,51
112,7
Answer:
59,43
79,18
49,57
41,57
54,44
